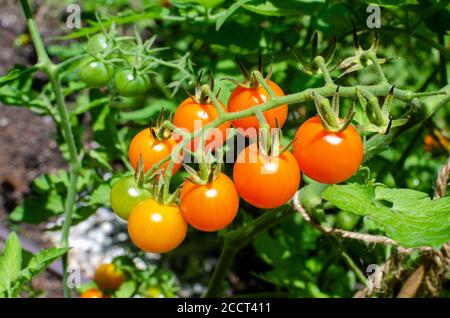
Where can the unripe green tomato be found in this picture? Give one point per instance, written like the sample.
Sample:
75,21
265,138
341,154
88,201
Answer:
125,195
346,220
129,84
97,43
95,73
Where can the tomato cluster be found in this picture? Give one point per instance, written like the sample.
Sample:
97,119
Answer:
97,69
209,201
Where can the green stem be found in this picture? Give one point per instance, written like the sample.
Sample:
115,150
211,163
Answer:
359,275
51,70
239,238
75,168
320,61
214,99
262,81
379,142
375,106
372,57
43,58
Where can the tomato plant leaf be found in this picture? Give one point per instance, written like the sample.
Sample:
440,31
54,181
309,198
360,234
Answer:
17,72
38,208
37,264
229,12
10,261
126,290
407,216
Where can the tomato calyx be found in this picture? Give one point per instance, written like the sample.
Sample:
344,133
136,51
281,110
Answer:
250,79
139,175
202,91
157,188
269,144
158,130
210,167
329,113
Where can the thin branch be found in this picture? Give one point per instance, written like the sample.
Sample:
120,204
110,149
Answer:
262,81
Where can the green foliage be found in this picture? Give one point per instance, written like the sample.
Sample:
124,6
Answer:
409,217
15,272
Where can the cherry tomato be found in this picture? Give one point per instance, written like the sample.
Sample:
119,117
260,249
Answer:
242,98
129,84
156,228
151,149
97,43
95,73
347,220
327,157
209,207
125,194
266,182
193,116
108,277
92,293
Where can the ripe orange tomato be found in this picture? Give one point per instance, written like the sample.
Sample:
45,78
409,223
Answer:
151,149
156,228
92,293
193,116
209,207
108,278
266,182
325,156
432,145
242,98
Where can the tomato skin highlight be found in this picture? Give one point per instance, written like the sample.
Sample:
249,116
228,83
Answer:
129,84
92,293
125,195
243,98
266,183
95,73
189,111
97,43
327,157
209,207
156,228
151,149
108,278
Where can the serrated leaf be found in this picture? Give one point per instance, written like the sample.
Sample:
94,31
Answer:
10,261
38,263
407,216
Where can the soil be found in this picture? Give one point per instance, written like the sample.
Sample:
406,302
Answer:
27,141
